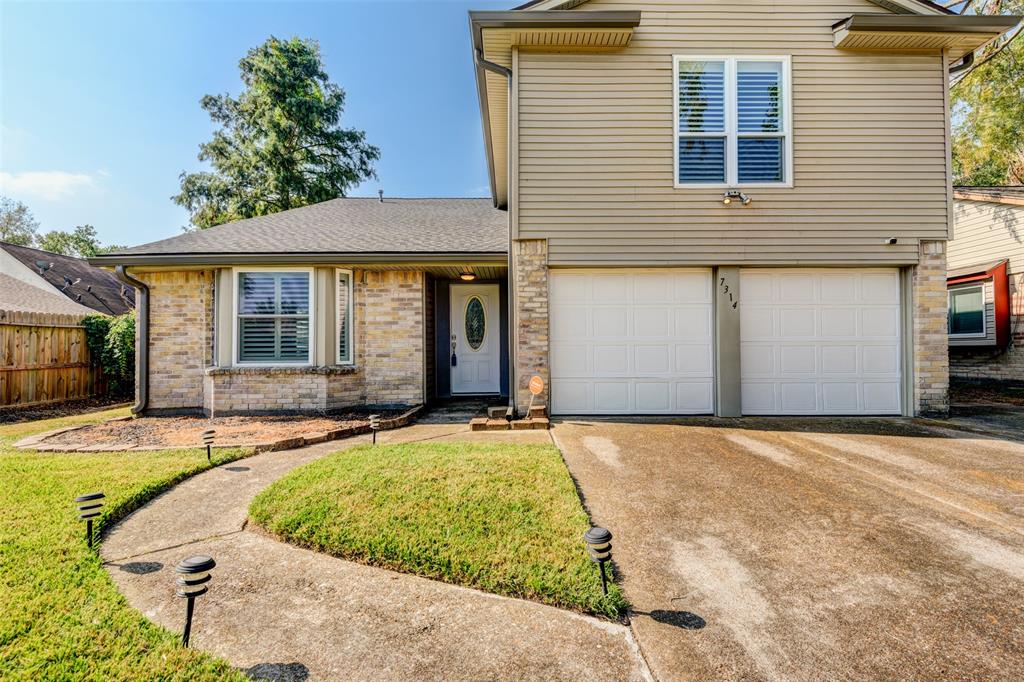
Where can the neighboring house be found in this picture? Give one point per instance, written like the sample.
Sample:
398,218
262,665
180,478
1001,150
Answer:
710,210
68,277
985,281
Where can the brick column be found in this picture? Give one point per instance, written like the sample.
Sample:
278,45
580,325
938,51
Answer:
530,266
931,338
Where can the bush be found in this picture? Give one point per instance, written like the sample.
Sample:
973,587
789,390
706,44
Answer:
111,342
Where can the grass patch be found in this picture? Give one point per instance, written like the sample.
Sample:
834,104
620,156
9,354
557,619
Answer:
61,616
499,517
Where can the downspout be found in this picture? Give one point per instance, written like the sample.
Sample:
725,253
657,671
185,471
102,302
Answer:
964,64
507,73
141,338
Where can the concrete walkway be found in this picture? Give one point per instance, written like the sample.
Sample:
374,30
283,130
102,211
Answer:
284,613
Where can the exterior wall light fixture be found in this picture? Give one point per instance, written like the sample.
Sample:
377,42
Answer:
735,195
208,436
88,509
599,544
193,576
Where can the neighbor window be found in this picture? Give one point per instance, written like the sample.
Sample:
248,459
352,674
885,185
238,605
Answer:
732,118
273,309
344,299
967,311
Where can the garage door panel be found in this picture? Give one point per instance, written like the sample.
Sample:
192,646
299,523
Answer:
820,341
648,333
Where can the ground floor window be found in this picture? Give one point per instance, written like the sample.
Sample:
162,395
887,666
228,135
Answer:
273,310
344,299
967,311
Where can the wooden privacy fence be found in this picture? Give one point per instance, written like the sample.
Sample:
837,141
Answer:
44,359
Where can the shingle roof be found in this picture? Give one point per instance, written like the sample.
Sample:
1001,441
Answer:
91,286
22,297
427,226
1009,194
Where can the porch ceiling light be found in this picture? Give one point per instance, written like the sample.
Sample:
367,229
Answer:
193,576
467,275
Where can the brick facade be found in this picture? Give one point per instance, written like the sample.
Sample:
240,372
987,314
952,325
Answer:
180,337
388,342
930,332
1001,364
530,263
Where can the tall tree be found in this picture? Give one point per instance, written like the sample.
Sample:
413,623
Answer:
988,105
80,242
280,144
17,224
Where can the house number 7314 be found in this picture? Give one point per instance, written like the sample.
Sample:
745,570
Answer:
725,292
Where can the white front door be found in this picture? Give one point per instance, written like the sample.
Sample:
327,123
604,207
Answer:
475,338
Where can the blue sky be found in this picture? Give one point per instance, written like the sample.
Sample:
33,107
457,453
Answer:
99,102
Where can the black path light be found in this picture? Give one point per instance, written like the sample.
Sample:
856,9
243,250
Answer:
374,426
208,436
599,544
88,509
193,574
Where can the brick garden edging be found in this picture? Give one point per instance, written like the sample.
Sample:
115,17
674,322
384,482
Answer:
37,442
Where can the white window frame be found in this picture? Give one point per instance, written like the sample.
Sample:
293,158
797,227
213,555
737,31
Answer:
235,272
731,133
984,309
351,319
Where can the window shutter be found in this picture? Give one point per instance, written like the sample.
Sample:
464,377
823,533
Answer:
344,297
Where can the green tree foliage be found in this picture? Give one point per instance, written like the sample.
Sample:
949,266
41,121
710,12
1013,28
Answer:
111,343
988,108
17,225
280,144
80,242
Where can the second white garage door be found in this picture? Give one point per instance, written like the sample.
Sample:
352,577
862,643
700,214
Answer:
631,342
820,341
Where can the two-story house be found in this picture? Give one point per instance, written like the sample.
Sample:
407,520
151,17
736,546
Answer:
697,207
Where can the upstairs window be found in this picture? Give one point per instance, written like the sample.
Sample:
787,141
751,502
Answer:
732,121
273,317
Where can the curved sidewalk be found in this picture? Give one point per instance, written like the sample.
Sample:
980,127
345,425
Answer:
285,613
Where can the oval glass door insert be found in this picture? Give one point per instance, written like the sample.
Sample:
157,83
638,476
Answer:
476,323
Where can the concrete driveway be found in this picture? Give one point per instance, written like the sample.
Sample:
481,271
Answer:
812,549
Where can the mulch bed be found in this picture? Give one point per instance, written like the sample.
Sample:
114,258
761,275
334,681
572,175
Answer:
990,393
31,413
271,432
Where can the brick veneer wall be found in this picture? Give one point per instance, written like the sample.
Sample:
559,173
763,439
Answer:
930,336
180,337
389,345
1001,364
530,263
389,335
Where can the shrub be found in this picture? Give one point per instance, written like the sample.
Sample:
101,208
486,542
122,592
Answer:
111,343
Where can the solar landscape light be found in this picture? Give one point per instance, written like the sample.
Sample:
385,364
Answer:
599,544
374,426
208,436
193,576
88,509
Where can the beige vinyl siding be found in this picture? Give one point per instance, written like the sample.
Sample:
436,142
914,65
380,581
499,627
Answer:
986,232
595,145
990,318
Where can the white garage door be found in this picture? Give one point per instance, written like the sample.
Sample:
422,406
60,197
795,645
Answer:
631,342
820,341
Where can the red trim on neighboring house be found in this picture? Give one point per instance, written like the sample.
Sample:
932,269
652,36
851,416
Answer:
1001,294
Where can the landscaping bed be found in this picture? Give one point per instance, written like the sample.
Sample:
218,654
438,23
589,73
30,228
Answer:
63,618
499,517
260,432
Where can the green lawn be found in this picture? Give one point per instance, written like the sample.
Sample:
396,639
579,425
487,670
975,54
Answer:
499,517
61,617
